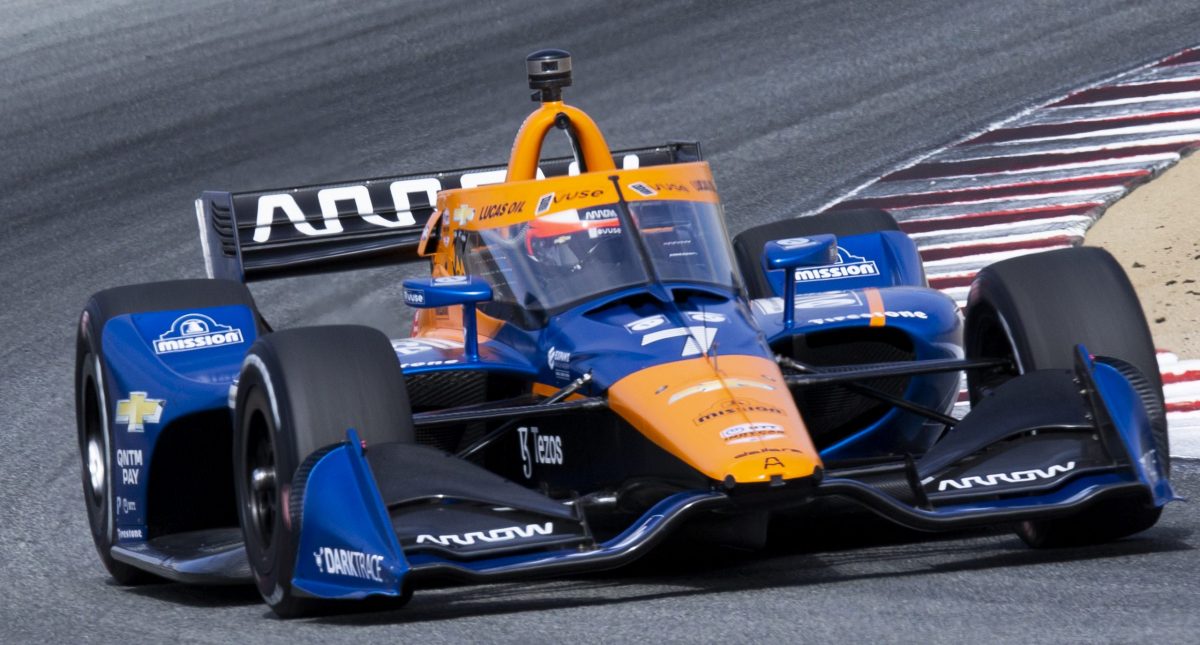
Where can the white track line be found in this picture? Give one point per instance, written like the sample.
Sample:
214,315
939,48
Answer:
1174,73
989,151
1085,113
1115,168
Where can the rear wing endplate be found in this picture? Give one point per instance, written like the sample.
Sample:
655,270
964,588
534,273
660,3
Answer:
356,224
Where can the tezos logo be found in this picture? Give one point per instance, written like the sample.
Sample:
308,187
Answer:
196,331
848,266
547,449
355,564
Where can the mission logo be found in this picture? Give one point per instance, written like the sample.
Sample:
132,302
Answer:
196,331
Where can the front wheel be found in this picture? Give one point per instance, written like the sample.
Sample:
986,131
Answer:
301,390
1033,310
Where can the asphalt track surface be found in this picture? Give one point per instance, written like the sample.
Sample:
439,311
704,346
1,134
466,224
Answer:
115,115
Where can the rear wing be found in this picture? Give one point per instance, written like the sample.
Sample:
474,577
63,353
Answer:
352,225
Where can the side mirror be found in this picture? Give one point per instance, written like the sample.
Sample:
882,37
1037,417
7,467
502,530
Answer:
792,253
446,291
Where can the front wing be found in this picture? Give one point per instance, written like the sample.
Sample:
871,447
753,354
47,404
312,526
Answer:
1047,444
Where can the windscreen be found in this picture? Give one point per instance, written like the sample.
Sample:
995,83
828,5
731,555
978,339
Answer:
562,258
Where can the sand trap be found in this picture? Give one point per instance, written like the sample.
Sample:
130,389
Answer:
1155,234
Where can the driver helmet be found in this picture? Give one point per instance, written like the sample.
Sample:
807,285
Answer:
573,238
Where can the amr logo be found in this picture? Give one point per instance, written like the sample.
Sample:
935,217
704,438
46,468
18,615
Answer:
494,535
1006,478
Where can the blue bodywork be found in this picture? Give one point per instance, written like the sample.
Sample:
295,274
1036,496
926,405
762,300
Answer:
347,548
179,382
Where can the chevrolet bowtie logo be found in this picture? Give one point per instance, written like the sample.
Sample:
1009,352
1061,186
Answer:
463,214
137,411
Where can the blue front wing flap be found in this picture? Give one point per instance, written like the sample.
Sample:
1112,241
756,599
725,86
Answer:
348,548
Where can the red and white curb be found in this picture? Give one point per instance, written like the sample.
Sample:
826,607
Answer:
1181,388
1039,180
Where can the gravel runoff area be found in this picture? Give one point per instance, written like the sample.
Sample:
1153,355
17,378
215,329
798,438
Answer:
1154,233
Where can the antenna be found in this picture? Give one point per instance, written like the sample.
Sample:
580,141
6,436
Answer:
549,71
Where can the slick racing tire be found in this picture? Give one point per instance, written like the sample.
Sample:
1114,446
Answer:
93,410
300,390
748,245
1033,310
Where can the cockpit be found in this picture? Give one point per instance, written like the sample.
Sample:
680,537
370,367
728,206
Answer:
563,257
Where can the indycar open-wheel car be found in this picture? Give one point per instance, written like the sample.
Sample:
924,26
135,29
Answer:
593,367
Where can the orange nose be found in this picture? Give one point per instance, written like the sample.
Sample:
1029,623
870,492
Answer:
732,417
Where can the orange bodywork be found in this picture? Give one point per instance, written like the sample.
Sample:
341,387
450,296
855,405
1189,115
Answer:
527,147
732,419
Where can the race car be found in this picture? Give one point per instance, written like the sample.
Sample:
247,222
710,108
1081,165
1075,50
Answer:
593,367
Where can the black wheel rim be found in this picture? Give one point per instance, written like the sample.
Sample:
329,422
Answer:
262,498
94,452
95,460
989,338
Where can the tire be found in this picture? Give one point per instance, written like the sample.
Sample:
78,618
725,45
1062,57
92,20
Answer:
1033,310
93,410
748,245
322,381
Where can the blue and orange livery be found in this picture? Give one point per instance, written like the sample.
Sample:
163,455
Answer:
591,365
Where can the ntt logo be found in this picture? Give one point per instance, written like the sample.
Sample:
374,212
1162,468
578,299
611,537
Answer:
196,331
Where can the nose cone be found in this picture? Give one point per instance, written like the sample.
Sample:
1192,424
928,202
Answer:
732,419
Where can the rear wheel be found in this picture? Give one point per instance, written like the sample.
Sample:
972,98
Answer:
748,245
93,410
300,390
1033,310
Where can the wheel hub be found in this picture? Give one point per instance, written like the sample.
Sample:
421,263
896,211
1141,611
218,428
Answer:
96,467
262,480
